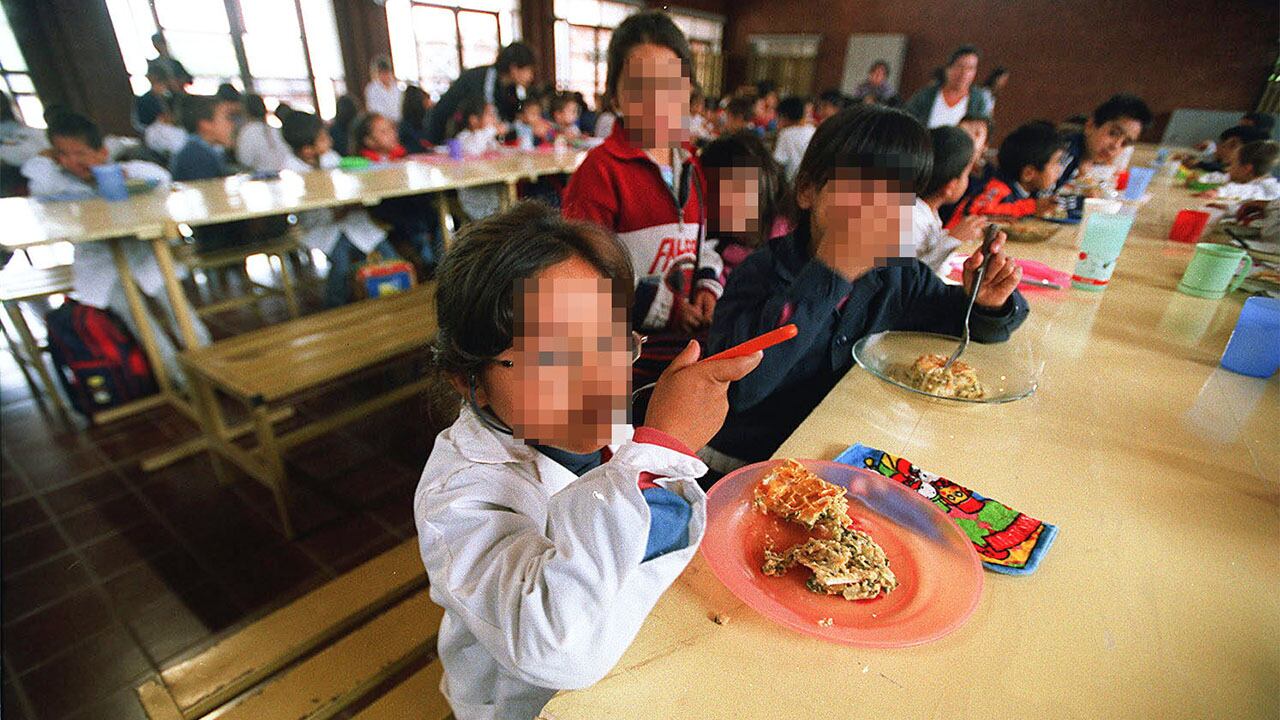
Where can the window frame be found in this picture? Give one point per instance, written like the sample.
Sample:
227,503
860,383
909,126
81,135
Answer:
414,73
6,74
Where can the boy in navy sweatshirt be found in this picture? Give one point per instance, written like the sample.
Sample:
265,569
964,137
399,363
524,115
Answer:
846,272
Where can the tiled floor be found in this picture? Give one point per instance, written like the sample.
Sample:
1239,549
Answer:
108,572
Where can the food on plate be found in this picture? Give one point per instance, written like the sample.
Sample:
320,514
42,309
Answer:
793,493
1030,231
927,375
849,564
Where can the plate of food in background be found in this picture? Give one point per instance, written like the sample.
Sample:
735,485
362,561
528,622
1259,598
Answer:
840,553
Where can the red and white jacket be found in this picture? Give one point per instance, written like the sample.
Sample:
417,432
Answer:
620,187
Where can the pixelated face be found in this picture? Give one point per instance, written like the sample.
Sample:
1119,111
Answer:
221,128
961,73
653,96
867,217
382,135
737,209
570,381
1105,141
76,157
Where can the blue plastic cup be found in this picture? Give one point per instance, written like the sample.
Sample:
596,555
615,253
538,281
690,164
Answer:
455,148
1254,347
1139,179
110,181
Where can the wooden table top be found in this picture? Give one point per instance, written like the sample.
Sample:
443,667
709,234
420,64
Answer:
29,222
1161,595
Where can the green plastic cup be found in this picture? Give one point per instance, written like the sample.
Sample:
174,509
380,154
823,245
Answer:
1215,270
1104,236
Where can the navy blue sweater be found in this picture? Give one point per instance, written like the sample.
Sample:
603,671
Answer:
783,283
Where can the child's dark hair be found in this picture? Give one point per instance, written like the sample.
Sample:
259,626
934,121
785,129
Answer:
359,130
1032,144
741,106
1260,155
68,124
1244,133
382,63
412,113
474,107
301,129
791,107
196,109
997,73
227,92
652,27
1260,120
254,107
478,279
834,97
963,51
745,149
765,87
952,153
1123,106
882,142
560,101
345,110
517,54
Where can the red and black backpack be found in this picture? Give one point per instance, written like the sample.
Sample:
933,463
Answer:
99,363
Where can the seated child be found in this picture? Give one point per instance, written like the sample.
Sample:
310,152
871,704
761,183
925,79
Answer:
479,136
1030,162
1208,148
979,129
739,113
77,146
345,235
839,276
259,146
210,130
1218,155
564,116
746,197
548,526
530,128
374,136
1094,155
699,127
952,158
1249,172
794,134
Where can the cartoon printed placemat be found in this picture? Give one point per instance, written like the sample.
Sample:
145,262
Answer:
1008,541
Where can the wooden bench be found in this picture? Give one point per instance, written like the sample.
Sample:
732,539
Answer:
267,367
21,284
363,642
276,249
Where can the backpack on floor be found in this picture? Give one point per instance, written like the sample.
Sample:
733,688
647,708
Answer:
98,362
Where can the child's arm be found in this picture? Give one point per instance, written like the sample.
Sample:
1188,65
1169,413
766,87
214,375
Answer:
992,202
758,299
934,306
590,195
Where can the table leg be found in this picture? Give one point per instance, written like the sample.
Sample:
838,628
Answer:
512,194
141,317
286,285
269,451
442,209
181,306
211,422
34,356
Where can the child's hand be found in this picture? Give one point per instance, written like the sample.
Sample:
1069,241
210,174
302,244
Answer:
1046,204
1002,278
691,399
970,228
692,317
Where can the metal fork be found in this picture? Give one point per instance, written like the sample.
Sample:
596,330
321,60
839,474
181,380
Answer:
988,237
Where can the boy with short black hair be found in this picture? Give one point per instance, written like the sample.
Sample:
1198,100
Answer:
794,134
738,114
1249,172
209,127
1098,152
1030,162
952,159
830,102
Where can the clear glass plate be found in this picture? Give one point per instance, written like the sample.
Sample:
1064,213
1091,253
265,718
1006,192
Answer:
1008,371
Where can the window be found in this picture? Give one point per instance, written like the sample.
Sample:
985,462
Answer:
284,50
790,61
14,79
433,42
582,32
584,27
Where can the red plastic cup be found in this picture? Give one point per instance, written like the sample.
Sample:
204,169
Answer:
1188,225
1122,179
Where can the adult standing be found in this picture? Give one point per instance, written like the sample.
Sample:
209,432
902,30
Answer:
954,98
499,84
992,87
876,89
168,65
383,95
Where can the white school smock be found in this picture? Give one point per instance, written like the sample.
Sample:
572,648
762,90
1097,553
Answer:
539,572
1263,188
385,101
165,138
261,147
320,229
93,267
933,244
789,151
